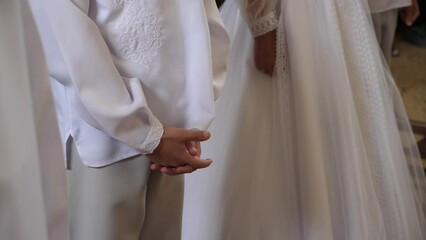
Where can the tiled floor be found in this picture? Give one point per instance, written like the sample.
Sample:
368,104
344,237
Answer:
409,70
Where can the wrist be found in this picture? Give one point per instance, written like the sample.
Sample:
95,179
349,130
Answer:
153,139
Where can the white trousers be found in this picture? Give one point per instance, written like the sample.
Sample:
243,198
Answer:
123,201
385,26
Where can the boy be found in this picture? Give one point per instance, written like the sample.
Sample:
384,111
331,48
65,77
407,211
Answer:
131,78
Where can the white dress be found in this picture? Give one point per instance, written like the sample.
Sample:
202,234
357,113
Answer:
321,151
33,198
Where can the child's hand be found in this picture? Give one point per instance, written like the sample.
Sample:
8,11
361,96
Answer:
194,148
172,156
265,52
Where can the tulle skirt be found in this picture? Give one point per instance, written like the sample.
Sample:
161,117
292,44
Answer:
323,150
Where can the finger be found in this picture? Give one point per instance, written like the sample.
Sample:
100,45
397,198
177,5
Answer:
155,167
185,169
405,15
269,72
195,135
192,148
196,162
198,146
410,16
177,171
169,171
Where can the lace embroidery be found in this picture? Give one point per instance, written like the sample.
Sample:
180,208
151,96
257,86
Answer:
370,101
152,140
119,2
282,94
264,24
154,136
139,33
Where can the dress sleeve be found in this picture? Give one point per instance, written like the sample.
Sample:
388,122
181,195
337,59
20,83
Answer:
260,15
109,102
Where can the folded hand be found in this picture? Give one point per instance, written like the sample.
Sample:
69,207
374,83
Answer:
179,152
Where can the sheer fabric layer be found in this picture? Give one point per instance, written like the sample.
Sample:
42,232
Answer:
323,150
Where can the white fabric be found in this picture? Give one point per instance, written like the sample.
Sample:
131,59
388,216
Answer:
260,15
379,6
123,69
33,199
315,152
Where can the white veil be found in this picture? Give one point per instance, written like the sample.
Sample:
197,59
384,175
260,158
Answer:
348,112
324,150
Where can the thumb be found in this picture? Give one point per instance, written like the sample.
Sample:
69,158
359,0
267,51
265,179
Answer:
196,135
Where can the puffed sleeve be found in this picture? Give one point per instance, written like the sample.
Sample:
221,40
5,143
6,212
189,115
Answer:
109,102
260,15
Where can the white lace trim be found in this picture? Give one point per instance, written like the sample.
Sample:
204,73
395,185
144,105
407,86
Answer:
138,37
153,138
265,24
119,2
282,86
370,102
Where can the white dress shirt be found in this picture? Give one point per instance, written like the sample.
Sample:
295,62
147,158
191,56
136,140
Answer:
123,69
378,6
33,197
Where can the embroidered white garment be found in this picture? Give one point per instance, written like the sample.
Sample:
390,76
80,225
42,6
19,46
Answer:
33,197
123,69
321,151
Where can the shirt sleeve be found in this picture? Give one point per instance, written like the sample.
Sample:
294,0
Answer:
260,15
109,102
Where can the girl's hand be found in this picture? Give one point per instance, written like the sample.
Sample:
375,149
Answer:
265,52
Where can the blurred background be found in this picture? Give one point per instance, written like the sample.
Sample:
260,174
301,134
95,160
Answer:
408,66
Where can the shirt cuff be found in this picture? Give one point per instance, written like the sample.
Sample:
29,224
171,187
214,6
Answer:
153,139
265,24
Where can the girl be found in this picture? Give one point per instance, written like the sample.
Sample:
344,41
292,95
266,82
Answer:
320,150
